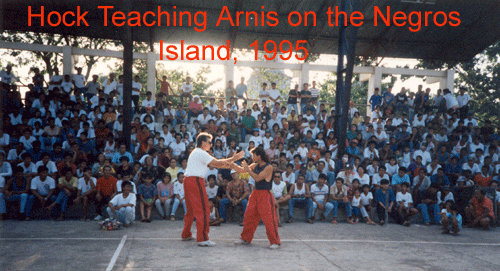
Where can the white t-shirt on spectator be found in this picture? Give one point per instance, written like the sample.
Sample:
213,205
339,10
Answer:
376,179
278,189
187,88
177,148
43,188
319,194
405,198
179,189
83,186
290,179
365,199
136,85
463,100
120,200
79,80
50,165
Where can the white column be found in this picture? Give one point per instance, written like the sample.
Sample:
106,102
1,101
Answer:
229,75
67,60
152,73
375,81
304,75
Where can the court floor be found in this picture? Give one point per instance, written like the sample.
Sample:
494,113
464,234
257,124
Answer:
75,245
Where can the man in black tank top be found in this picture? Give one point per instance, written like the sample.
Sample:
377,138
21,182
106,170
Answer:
261,202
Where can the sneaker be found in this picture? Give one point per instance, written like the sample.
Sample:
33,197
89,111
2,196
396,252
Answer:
241,242
310,221
207,243
275,246
290,220
188,238
98,218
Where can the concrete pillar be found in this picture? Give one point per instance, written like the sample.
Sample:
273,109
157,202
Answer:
67,60
304,75
229,76
375,81
152,73
449,81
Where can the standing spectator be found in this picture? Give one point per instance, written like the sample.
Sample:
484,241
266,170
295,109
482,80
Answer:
241,90
305,96
292,101
55,80
463,100
274,95
263,93
375,99
230,90
106,190
384,197
122,206
109,84
314,95
388,97
451,101
187,90
165,87
136,91
79,80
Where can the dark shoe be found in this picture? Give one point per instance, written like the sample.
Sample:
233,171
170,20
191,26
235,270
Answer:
445,231
290,220
148,220
144,220
381,222
310,221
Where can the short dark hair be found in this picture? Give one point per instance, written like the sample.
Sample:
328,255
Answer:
125,183
203,137
384,181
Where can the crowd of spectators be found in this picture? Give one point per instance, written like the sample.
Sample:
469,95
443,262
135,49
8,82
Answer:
63,144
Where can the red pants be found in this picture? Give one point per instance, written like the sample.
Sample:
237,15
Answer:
261,206
196,198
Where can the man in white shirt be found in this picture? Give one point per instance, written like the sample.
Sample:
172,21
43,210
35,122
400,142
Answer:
8,77
319,194
55,80
187,90
274,95
426,156
122,206
451,101
109,84
79,80
42,189
241,90
470,119
178,147
263,93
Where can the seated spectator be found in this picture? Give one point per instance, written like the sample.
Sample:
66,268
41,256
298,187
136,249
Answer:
106,190
484,179
429,201
122,206
68,186
14,189
451,219
365,207
281,196
42,189
179,195
479,212
237,193
86,191
166,195
147,194
405,205
215,219
400,178
338,194
5,168
299,195
440,178
319,193
384,198
445,195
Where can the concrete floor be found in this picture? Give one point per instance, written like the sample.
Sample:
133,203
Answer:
75,245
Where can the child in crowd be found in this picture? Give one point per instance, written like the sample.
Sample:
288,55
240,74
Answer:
165,198
405,205
147,196
215,219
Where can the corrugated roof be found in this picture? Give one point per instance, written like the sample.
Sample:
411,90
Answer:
479,28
